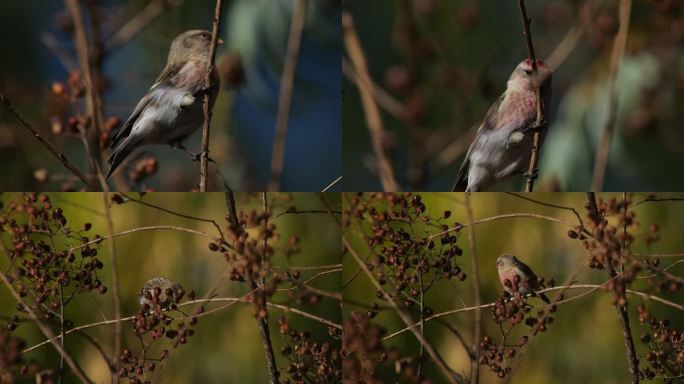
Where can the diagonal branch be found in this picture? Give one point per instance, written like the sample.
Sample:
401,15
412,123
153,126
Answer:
451,376
373,116
60,156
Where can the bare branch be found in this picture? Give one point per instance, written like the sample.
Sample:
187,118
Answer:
60,156
373,116
204,152
540,121
286,90
619,46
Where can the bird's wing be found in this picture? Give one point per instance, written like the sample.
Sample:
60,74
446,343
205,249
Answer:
462,177
164,77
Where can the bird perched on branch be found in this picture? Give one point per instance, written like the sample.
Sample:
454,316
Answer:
503,144
172,110
161,291
513,274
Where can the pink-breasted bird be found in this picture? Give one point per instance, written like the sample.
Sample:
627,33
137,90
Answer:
172,110
509,267
503,143
162,291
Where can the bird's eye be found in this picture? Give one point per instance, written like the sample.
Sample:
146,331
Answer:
528,72
204,35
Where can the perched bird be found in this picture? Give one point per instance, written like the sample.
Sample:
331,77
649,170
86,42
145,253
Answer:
162,291
503,144
509,267
172,109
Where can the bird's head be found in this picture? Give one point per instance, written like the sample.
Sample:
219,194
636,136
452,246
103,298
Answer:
194,44
505,260
523,78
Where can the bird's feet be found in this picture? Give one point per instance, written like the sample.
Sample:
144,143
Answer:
531,175
535,127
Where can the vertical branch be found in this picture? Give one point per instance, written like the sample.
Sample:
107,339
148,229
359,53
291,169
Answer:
475,350
90,72
373,117
632,360
540,121
204,152
118,330
619,46
46,143
273,373
286,90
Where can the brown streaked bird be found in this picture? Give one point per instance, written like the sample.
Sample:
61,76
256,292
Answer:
164,290
509,267
503,143
172,109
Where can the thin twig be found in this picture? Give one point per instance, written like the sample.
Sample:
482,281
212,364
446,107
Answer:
540,121
179,214
204,152
60,156
144,229
286,90
477,326
118,329
619,46
591,288
334,182
451,376
373,116
243,299
263,320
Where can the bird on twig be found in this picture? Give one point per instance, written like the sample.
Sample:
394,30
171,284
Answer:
161,291
172,110
503,143
517,276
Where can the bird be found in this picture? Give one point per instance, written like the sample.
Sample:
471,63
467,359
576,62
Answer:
509,267
161,291
503,143
172,110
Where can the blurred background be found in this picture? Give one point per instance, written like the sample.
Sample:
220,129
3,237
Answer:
444,63
226,346
39,57
583,345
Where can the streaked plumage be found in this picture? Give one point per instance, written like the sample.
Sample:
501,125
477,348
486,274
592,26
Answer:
503,144
172,109
508,267
168,292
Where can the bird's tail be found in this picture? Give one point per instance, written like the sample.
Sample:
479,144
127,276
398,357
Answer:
120,153
461,184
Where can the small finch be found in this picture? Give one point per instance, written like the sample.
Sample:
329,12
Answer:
162,291
503,144
172,110
513,272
